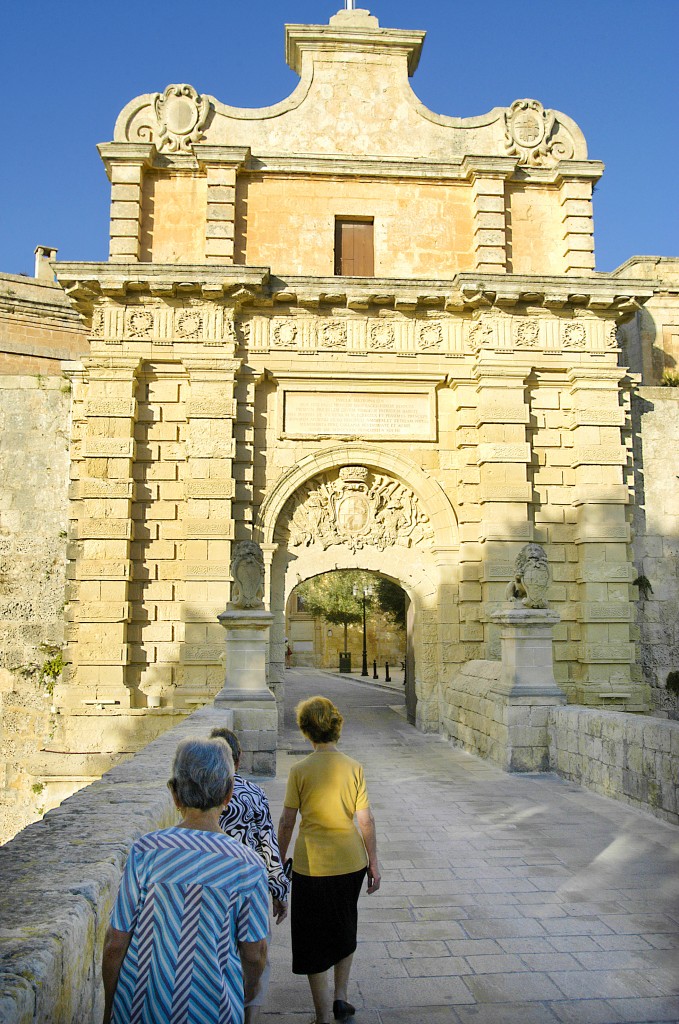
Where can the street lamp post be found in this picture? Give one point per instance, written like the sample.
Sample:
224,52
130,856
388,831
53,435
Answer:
365,593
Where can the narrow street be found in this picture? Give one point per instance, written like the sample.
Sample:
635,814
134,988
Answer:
505,899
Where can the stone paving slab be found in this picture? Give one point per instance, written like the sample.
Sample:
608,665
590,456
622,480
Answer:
506,899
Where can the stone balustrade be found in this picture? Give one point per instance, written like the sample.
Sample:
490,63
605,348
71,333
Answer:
59,878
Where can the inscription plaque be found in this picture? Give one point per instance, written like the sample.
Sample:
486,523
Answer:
358,414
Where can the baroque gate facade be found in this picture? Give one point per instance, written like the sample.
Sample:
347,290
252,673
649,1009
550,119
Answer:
364,335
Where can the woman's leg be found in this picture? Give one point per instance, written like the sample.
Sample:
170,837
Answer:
318,983
342,970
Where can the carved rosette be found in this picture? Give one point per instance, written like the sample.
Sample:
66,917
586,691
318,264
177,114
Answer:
612,340
181,115
334,334
527,334
358,508
530,134
139,324
430,336
381,335
480,334
284,334
97,329
574,336
188,324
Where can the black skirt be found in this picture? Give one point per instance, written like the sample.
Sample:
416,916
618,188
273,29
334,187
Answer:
323,919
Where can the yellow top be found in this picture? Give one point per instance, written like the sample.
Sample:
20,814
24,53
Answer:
327,788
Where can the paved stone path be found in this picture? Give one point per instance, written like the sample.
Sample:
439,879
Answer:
506,899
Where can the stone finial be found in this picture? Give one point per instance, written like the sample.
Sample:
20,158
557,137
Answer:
247,569
531,577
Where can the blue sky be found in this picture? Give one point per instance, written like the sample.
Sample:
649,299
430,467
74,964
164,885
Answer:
68,68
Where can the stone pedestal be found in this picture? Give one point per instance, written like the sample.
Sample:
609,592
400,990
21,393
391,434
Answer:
246,639
527,656
526,687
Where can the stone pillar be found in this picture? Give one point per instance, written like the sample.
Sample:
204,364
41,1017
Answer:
247,623
527,657
125,164
209,525
607,673
488,176
221,164
101,510
246,643
578,226
503,455
526,688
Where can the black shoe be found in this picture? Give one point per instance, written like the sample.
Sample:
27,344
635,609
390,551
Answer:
342,1010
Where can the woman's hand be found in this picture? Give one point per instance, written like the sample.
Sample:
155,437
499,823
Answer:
280,910
374,878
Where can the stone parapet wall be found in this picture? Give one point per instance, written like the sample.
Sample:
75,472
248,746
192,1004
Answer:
34,467
59,878
631,758
655,414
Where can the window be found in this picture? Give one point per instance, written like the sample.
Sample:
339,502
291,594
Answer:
354,250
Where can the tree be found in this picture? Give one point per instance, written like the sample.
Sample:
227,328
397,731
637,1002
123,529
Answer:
331,597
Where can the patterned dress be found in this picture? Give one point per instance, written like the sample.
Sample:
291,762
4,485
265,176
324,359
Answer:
189,898
247,818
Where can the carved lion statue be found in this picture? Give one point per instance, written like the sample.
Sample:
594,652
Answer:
247,569
532,571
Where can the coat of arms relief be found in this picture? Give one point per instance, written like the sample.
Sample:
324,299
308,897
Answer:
359,508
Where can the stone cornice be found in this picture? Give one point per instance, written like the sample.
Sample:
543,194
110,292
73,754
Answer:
354,35
254,287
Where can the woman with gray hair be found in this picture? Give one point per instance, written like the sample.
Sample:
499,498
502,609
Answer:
187,938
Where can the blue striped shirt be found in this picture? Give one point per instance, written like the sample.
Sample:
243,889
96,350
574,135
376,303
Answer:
188,897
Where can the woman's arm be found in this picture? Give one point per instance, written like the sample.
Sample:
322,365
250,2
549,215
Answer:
115,948
366,824
253,962
286,826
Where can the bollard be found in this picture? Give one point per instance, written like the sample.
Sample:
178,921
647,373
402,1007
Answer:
387,677
375,675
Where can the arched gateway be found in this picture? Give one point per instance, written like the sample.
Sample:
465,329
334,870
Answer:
363,335
359,506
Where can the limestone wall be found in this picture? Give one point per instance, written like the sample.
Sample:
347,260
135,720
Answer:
628,757
59,877
655,414
34,468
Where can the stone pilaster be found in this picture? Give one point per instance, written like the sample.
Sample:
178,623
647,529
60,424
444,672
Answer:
221,164
606,655
577,226
209,528
101,512
125,164
488,177
503,455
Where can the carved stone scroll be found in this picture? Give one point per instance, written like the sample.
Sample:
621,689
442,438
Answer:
531,134
358,508
181,115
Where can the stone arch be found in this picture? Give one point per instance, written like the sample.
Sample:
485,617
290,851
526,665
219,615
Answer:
426,573
438,506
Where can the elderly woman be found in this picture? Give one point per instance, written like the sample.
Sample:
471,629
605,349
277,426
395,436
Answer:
330,859
187,933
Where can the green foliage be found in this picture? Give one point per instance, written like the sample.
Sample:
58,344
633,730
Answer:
51,670
331,597
37,788
670,379
672,682
644,585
